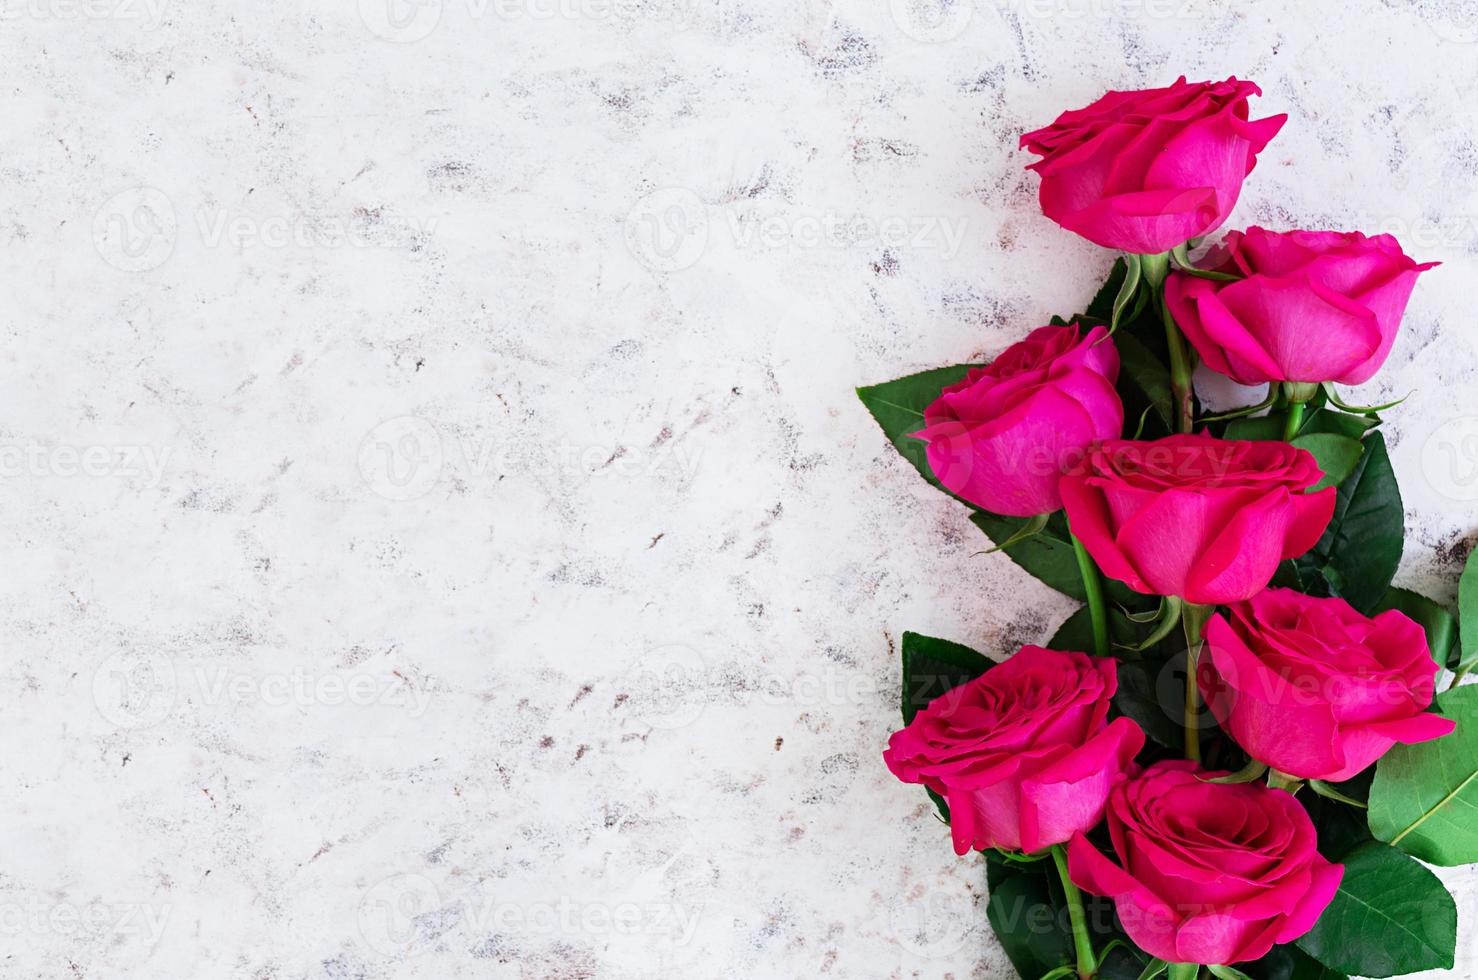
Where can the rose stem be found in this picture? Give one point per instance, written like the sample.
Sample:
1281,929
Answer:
1293,420
1180,370
1093,588
1155,269
1087,964
1297,394
1193,617
1184,971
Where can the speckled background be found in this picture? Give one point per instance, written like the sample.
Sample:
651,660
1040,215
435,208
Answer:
442,538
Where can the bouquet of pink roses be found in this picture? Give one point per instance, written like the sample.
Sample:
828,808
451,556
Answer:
1234,758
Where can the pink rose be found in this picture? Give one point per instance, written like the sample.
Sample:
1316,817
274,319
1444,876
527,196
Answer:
1207,872
1191,516
1002,437
1145,171
1314,306
1314,689
1023,754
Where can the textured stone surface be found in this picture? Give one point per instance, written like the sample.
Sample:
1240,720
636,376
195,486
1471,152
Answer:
443,540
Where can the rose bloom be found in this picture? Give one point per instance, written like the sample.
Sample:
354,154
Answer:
1146,171
1314,689
1313,306
1002,437
1207,872
1023,754
1204,519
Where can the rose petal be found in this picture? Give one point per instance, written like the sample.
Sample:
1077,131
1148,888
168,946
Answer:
1311,332
1276,724
1326,879
1088,518
1243,557
1218,937
1068,796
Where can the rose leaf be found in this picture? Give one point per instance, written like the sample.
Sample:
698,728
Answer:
1424,799
1390,916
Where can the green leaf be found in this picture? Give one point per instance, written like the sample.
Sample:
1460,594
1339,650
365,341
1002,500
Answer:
1334,399
1148,375
1467,610
1330,792
1150,693
1286,577
898,406
1030,529
1101,307
1433,618
1338,423
1358,553
1336,456
1250,773
1076,632
1318,421
1246,411
1390,916
1227,972
1048,556
1170,615
1265,428
1341,828
932,667
1181,258
1305,967
1154,969
1044,555
1024,917
1287,962
1028,913
1425,797
1127,290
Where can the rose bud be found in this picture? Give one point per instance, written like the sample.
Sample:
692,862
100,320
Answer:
1024,754
1146,171
1208,872
1204,519
1314,689
1002,437
1313,306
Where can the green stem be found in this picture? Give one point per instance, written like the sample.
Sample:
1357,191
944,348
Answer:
1193,619
1180,370
1093,587
1293,420
1155,268
1457,678
1082,940
1281,780
1184,971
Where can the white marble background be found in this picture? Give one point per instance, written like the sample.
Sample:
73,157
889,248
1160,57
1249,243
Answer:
441,537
